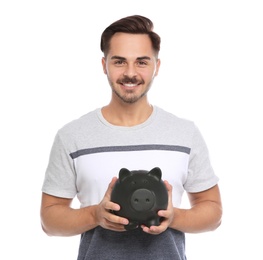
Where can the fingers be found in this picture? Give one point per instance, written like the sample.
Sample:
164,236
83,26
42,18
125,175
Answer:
113,222
169,188
111,206
154,230
107,203
112,218
106,218
167,215
110,187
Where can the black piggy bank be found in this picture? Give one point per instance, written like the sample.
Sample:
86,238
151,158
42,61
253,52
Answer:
140,194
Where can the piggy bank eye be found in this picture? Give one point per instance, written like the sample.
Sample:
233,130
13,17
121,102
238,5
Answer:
133,183
145,181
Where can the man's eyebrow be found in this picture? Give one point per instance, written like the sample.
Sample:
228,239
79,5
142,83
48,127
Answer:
116,57
144,58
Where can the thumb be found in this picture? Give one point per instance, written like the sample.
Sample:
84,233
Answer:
110,187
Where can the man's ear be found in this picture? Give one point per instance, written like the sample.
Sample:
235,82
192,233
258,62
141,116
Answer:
157,67
103,62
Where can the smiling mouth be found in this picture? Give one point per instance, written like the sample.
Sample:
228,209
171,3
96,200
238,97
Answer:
129,82
129,85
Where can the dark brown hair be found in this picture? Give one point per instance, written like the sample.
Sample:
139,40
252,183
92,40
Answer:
134,24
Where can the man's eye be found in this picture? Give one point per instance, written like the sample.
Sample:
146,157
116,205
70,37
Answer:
119,62
142,63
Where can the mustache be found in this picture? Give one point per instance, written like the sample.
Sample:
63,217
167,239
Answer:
126,80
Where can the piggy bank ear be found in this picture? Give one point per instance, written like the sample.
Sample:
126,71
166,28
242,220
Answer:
155,173
123,174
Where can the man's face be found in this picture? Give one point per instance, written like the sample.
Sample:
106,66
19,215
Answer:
130,66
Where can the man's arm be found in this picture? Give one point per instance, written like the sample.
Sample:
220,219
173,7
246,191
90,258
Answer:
204,215
59,219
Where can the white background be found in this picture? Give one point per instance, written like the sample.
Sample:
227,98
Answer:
211,73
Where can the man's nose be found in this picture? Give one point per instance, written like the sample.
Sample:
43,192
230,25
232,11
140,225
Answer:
130,71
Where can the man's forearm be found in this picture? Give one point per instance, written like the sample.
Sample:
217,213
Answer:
205,216
60,220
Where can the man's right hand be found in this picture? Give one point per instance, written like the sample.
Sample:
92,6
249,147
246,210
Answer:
104,216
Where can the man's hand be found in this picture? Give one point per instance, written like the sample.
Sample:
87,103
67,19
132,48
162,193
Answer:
103,214
167,215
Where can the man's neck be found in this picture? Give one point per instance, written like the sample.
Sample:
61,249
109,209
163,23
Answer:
127,114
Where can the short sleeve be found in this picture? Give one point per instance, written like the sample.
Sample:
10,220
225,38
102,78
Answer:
201,175
60,176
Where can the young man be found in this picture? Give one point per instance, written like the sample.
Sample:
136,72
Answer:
129,132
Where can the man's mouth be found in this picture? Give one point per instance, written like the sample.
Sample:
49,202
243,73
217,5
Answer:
128,82
129,85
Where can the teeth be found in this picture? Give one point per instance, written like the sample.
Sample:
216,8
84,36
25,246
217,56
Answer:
130,85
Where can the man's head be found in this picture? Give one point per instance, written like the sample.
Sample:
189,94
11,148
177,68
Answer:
135,24
130,59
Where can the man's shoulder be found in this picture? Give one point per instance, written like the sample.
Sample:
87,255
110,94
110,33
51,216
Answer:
82,122
166,117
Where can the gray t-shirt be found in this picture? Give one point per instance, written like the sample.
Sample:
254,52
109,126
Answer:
89,151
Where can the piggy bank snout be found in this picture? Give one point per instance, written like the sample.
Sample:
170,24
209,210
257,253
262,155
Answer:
142,200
